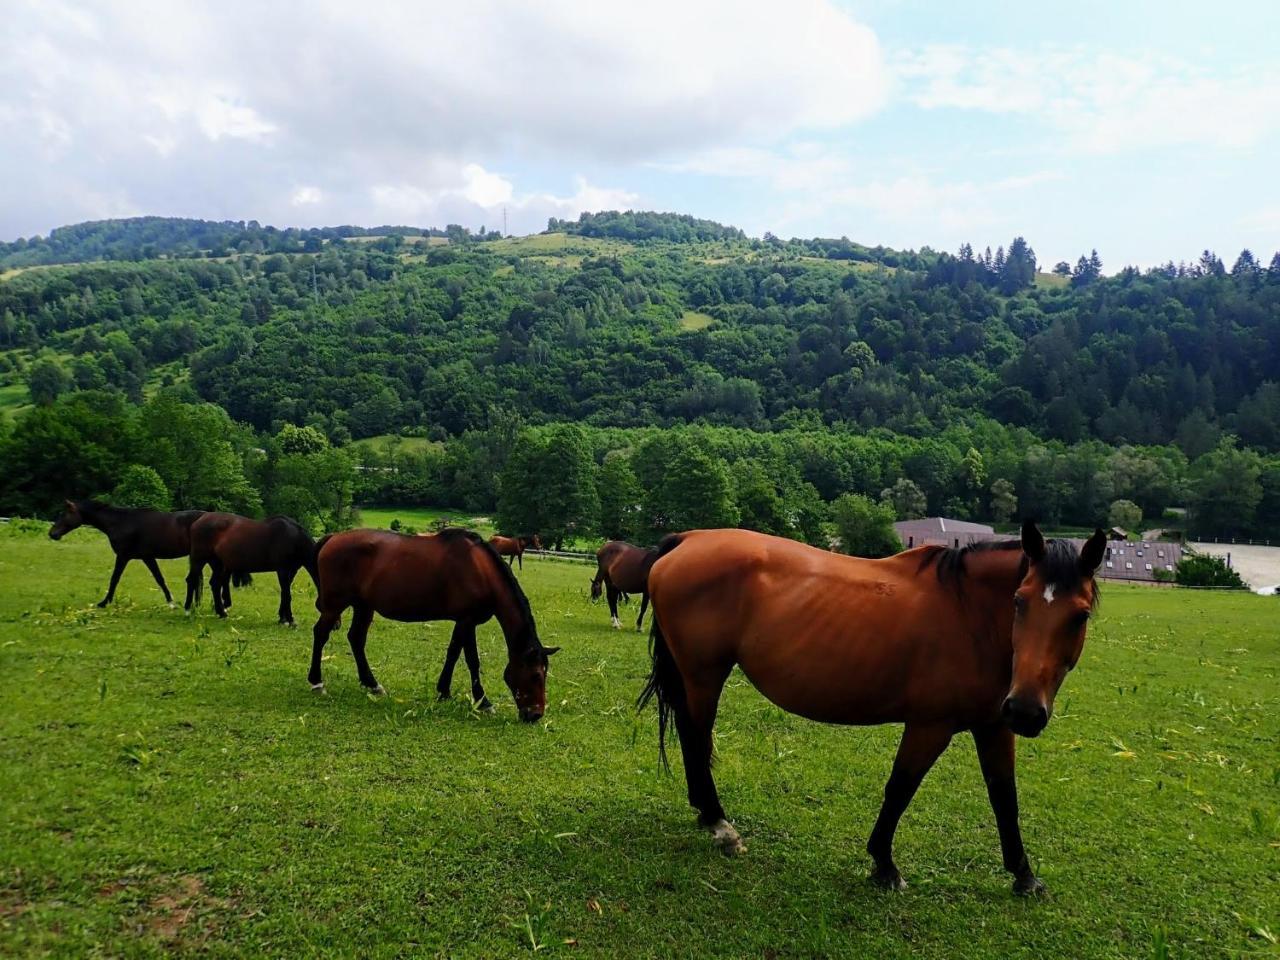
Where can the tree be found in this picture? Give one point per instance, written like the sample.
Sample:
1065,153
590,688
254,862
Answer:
567,484
1004,500
1203,570
905,498
865,528
620,497
689,488
47,381
520,507
1124,514
1225,490
140,486
301,440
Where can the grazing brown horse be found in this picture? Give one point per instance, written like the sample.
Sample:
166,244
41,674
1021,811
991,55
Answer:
941,640
134,534
513,548
235,547
623,568
453,575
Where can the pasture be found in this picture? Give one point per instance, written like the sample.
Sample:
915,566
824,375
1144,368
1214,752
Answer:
171,785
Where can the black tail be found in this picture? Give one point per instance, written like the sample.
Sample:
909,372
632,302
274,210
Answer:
665,682
313,563
239,579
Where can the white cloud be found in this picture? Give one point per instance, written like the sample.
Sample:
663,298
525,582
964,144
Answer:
222,109
1102,102
306,196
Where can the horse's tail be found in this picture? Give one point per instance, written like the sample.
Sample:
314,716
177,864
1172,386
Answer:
665,684
240,579
313,562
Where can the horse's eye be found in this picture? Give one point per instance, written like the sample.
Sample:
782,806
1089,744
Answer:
1019,604
1080,620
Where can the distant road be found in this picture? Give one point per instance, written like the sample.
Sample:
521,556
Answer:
1258,566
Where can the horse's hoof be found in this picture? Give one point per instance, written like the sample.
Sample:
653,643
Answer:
484,706
318,689
1029,886
443,695
102,605
289,623
378,691
617,624
727,839
888,879
172,605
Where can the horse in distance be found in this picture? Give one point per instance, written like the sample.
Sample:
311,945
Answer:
135,533
236,547
453,575
621,569
944,641
513,548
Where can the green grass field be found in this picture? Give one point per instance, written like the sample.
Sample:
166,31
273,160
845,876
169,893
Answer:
696,320
170,785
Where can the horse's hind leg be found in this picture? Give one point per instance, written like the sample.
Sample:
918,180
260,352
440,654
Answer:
444,685
320,636
218,577
695,718
286,595
361,617
921,746
644,603
121,563
193,584
159,577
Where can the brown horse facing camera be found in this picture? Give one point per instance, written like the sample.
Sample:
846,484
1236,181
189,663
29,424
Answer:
513,548
621,569
453,575
941,640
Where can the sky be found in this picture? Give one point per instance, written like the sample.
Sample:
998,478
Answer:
1149,131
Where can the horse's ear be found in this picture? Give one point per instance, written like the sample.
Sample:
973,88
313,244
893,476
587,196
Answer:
70,506
1092,552
550,650
1032,541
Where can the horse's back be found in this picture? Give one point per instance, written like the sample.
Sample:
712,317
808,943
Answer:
400,577
820,634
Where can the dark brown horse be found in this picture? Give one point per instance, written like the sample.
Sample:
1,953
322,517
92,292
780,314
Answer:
621,569
941,640
134,534
235,547
453,575
513,548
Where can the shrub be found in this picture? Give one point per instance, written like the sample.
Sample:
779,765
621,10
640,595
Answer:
1202,570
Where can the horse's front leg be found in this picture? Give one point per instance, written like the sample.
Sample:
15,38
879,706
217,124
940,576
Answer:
920,748
613,605
121,563
644,603
218,577
996,755
472,654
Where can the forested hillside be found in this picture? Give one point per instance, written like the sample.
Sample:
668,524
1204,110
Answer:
624,323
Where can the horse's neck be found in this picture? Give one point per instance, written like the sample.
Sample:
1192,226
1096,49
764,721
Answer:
100,515
991,578
514,621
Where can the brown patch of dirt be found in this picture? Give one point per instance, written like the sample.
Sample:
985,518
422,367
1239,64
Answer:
184,910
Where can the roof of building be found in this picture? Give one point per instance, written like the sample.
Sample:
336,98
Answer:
941,526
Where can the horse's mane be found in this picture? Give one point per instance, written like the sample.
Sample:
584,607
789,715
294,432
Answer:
453,534
1060,565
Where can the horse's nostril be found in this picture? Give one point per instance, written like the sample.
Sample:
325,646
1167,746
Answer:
1006,708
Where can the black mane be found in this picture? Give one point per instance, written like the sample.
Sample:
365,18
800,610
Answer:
1059,567
449,534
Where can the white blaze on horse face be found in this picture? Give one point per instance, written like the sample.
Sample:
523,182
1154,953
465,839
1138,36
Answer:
1048,593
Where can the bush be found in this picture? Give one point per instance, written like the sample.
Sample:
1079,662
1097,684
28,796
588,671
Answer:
865,527
1202,570
141,486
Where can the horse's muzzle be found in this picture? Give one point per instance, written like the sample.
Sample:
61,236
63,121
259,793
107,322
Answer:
1025,718
530,715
